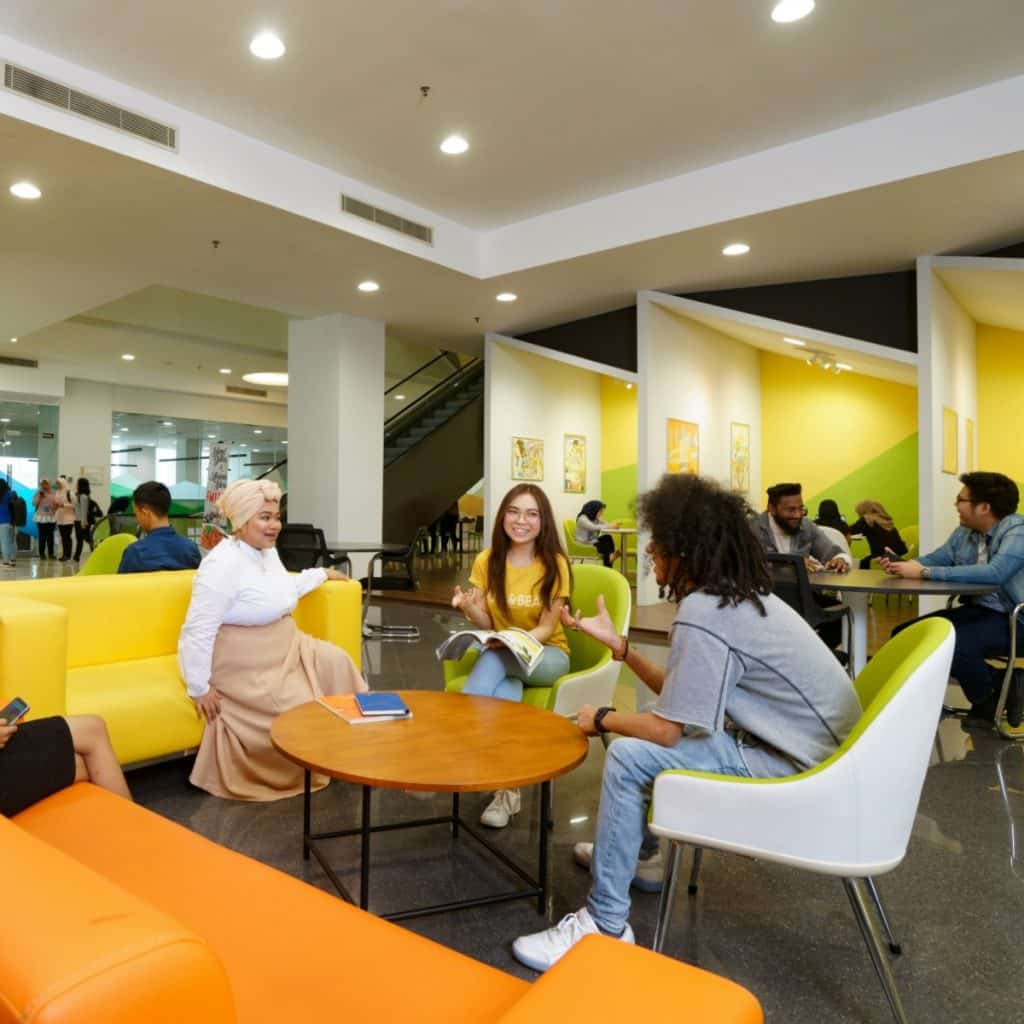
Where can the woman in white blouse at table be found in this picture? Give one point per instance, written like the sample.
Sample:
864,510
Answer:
244,660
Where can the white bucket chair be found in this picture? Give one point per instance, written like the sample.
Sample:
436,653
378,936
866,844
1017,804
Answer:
850,816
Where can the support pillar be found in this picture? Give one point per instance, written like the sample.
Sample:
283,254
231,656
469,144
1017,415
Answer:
83,437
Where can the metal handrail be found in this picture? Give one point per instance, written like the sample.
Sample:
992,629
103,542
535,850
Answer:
415,373
396,422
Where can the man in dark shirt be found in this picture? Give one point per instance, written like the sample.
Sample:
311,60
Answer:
162,547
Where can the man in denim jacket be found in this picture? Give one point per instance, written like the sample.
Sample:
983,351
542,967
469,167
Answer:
987,547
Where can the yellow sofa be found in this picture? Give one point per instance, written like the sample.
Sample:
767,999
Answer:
107,645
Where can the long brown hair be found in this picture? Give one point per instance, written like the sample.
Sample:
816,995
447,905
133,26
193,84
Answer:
547,548
873,513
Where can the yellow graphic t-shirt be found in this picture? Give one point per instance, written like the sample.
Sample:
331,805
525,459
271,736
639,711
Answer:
522,589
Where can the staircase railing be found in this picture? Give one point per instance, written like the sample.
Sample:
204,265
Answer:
441,391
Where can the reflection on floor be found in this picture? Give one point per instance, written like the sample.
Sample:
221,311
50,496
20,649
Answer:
785,934
957,902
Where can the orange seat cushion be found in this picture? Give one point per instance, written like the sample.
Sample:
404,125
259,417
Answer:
604,979
291,952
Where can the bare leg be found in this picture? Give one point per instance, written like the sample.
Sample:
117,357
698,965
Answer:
95,760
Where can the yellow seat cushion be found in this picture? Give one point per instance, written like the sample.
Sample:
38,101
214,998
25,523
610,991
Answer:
143,702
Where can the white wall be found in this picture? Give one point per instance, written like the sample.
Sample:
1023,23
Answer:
948,378
83,437
692,372
529,395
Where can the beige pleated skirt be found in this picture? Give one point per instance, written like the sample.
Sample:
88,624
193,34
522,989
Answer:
260,672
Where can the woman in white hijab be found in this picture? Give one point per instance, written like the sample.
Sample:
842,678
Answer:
242,657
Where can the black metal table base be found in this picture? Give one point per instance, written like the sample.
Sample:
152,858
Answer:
535,887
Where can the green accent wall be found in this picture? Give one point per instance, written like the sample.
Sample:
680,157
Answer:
891,478
618,491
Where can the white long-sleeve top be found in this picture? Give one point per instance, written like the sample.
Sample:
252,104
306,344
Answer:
236,585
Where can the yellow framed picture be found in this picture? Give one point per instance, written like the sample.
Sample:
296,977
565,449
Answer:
950,463
739,457
527,458
574,464
682,447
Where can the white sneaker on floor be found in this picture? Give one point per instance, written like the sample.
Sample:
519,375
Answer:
544,949
649,875
499,811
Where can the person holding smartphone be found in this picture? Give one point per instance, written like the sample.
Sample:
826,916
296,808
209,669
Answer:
42,757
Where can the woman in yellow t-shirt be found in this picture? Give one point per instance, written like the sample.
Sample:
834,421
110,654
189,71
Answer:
521,580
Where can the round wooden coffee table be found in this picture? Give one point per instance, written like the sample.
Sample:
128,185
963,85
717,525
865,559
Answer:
453,743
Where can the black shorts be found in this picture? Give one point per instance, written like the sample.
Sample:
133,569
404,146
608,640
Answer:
39,760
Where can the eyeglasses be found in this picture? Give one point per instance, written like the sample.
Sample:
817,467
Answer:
960,501
530,515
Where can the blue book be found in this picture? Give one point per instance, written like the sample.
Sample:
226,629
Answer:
388,705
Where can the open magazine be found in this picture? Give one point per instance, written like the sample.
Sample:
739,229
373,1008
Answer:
527,648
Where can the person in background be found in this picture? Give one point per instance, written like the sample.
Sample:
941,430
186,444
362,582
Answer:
64,515
45,516
162,547
522,580
830,516
878,529
243,659
8,532
987,547
589,525
41,757
749,690
83,516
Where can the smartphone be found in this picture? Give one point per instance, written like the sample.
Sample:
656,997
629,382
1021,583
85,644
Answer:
893,556
14,711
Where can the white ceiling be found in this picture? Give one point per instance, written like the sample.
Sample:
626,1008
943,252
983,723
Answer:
562,102
990,296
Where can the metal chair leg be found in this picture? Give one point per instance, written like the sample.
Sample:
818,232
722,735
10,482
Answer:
698,857
878,957
894,947
668,895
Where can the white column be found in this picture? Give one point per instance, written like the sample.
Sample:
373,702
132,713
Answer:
83,438
336,427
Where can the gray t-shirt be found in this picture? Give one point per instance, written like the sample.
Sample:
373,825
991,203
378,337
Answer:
770,676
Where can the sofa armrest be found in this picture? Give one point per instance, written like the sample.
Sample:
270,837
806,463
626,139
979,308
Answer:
604,979
34,654
77,947
334,612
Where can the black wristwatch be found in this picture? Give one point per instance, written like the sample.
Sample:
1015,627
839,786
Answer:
599,718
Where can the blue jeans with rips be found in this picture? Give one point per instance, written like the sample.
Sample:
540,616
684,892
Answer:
497,673
629,770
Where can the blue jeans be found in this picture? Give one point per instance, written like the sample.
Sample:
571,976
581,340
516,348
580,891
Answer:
497,673
8,544
630,766
981,632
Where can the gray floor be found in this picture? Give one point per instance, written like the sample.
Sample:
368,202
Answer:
957,902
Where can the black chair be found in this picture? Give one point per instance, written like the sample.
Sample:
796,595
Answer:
302,546
791,582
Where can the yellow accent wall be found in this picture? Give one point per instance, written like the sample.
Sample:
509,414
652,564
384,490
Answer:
817,427
618,425
1000,368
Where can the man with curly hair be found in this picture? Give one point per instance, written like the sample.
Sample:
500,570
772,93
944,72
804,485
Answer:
749,690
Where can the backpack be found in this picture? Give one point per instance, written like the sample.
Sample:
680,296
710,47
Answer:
95,513
19,510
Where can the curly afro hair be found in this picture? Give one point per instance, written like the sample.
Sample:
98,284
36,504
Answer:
707,528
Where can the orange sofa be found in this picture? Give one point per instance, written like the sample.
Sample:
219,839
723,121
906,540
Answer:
113,914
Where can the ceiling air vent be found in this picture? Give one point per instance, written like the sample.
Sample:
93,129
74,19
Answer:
28,83
32,364
386,219
234,389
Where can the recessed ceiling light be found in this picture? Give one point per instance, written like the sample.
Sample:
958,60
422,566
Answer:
736,249
843,366
270,380
506,296
257,431
629,386
399,398
267,46
795,341
454,145
25,190
124,430
14,341
791,10
5,419
284,442
256,451
225,369
127,357
211,437
369,286
166,423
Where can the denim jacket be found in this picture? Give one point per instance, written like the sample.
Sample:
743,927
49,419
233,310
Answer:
957,561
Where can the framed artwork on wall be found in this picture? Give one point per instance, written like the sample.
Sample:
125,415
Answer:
574,463
527,458
969,442
682,447
949,441
739,457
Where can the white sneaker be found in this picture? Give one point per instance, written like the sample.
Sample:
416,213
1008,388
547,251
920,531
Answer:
649,875
499,811
544,949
